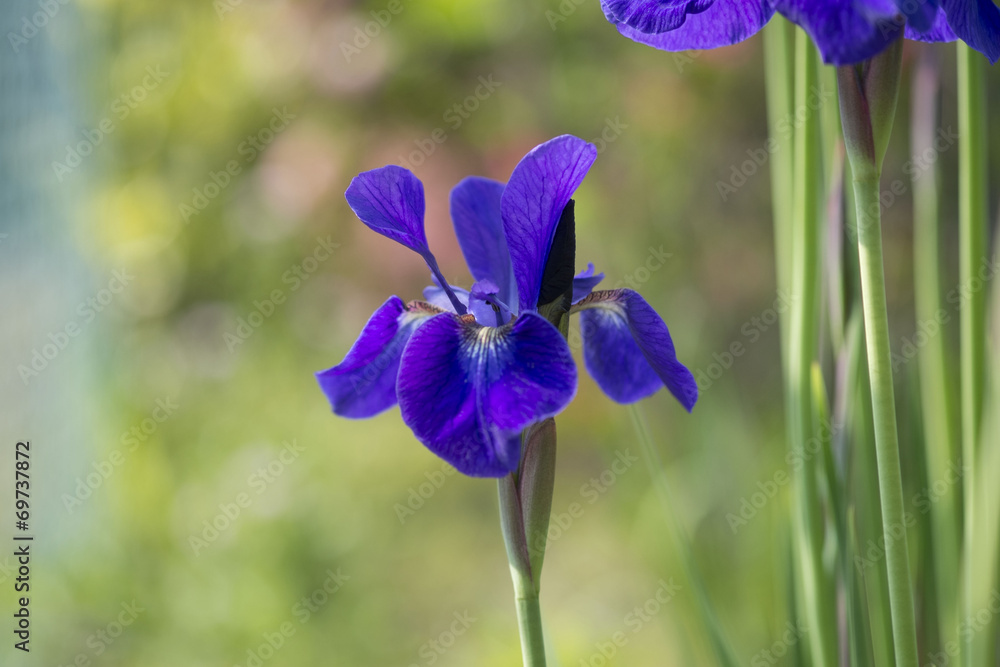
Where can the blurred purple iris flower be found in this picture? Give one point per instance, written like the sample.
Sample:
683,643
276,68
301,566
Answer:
472,369
845,31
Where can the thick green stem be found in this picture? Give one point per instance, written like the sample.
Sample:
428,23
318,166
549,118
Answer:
972,252
817,596
724,654
937,403
873,297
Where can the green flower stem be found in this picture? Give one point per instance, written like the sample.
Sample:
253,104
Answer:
817,595
866,188
724,654
529,614
525,506
529,623
936,403
972,251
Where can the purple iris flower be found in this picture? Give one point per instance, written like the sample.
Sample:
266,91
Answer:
472,369
845,31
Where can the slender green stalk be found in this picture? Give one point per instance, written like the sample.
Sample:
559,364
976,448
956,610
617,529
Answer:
817,597
972,251
529,623
724,654
866,188
937,402
779,79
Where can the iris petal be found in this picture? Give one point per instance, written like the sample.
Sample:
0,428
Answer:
437,296
486,306
390,200
585,282
364,383
628,350
920,15
653,16
723,23
938,31
847,31
475,212
977,23
532,203
466,391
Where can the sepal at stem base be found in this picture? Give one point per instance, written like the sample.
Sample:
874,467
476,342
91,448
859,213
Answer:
525,506
868,93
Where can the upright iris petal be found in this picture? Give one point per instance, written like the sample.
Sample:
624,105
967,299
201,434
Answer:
539,189
628,350
466,390
475,212
390,201
364,383
585,282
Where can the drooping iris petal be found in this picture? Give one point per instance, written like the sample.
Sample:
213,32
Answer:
486,306
653,16
977,23
437,296
938,31
585,282
390,200
723,23
845,31
920,14
628,350
533,201
466,391
475,212
364,383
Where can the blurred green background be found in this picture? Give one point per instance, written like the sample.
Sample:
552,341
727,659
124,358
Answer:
168,169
